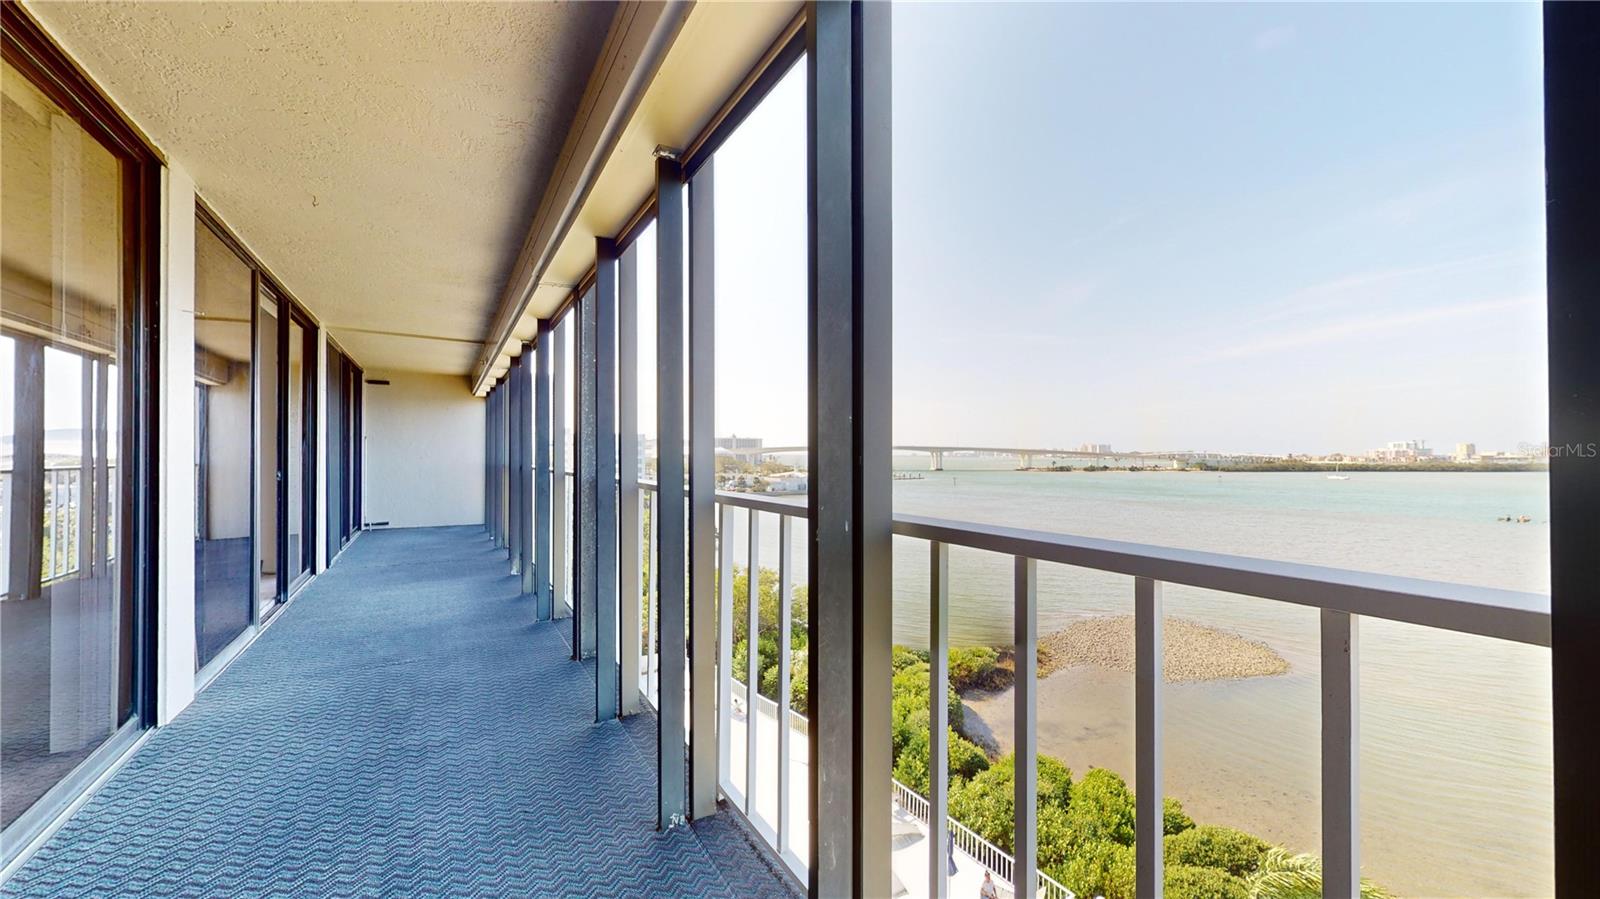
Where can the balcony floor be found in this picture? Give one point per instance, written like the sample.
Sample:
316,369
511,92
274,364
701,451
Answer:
402,729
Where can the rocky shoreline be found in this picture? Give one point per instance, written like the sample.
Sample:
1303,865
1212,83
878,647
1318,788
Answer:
1194,652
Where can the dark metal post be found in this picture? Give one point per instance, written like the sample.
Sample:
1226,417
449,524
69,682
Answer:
493,453
672,802
541,470
513,384
629,532
1572,226
488,463
560,520
849,346
606,695
525,467
587,532
702,496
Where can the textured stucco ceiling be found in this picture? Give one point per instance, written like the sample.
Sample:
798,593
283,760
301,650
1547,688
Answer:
382,159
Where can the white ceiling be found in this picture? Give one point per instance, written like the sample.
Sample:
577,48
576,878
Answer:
382,159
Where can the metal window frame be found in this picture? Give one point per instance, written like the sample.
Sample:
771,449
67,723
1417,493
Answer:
542,583
671,769
705,723
607,676
1572,225
30,50
850,344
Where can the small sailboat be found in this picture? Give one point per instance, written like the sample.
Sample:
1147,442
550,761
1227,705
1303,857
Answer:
1336,476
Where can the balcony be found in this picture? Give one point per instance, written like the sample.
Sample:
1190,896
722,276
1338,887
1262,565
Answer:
401,727
369,355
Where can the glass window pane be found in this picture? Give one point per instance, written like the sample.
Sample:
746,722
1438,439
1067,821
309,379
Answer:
298,511
267,451
66,665
1229,271
222,363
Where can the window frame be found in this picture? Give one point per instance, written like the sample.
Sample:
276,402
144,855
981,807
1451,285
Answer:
36,57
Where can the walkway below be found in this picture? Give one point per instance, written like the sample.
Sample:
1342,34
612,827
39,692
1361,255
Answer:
402,729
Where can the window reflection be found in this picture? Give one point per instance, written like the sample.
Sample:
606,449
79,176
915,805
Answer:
66,666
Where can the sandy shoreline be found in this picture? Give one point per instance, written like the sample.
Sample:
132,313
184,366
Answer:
1193,651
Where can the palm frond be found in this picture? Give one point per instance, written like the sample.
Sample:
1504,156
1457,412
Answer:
1296,875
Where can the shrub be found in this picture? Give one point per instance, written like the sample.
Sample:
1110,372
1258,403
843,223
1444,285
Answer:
913,765
912,761
800,681
987,802
909,711
1101,809
1190,882
967,759
1212,846
970,666
902,657
1099,868
799,670
1173,818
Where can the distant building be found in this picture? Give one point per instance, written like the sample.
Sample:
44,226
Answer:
1466,452
1103,449
1403,451
735,442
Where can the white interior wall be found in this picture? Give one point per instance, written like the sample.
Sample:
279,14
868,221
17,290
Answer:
424,445
228,438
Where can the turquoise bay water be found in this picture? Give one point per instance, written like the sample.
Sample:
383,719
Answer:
1456,795
1455,730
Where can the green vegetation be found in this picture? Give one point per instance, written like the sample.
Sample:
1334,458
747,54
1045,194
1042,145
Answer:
1086,827
1211,846
767,634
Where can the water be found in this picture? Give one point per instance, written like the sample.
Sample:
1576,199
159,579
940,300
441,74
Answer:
1456,791
1455,730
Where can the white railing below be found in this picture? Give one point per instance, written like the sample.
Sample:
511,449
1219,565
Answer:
992,857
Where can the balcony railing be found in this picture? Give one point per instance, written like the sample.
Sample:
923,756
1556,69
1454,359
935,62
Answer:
1341,595
991,857
63,528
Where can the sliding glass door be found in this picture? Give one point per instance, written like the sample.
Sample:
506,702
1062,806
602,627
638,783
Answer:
223,365
74,198
343,446
299,469
267,449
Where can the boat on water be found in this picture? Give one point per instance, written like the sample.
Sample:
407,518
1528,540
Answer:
1336,476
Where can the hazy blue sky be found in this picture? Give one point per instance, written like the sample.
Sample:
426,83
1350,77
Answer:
1262,227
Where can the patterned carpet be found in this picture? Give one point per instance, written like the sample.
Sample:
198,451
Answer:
403,729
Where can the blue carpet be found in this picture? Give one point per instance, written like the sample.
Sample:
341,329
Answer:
403,729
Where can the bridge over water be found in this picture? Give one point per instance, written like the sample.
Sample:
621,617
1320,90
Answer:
1026,455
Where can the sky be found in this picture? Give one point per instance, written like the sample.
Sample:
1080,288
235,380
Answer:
1257,228
1265,228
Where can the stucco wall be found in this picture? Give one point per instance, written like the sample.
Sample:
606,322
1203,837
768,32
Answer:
424,443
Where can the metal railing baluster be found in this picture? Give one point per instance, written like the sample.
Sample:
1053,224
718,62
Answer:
725,648
1025,822
1149,671
1341,861
939,720
785,636
752,659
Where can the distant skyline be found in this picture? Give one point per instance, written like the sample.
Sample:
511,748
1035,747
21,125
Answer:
1267,228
